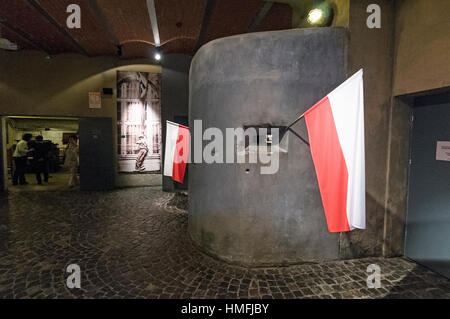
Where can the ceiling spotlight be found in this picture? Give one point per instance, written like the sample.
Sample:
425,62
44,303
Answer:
315,16
321,15
158,56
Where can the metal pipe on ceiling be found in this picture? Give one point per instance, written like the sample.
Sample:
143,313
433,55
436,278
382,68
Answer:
153,20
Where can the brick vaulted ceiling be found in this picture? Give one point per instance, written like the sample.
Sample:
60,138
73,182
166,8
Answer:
184,25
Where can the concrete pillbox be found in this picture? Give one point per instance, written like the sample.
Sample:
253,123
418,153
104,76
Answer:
236,213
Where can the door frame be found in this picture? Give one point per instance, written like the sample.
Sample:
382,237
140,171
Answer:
3,117
3,160
422,99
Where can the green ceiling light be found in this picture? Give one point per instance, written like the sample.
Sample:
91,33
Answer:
310,13
315,16
320,15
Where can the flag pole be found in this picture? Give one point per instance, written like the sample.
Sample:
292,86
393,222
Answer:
288,128
296,121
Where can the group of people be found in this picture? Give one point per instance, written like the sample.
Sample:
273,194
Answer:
38,150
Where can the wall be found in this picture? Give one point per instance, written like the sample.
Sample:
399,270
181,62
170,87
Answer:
31,84
254,79
409,54
175,100
397,176
372,49
341,13
422,46
10,136
422,63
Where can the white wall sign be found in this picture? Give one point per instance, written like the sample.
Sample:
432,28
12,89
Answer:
443,151
95,100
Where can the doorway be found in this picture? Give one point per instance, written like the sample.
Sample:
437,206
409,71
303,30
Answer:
49,135
96,169
428,218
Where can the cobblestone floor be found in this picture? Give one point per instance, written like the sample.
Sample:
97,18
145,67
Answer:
133,244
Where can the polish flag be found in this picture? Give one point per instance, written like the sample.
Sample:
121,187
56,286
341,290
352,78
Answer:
336,132
177,151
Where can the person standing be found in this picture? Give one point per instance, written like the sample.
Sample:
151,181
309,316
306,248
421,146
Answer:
71,161
143,151
20,160
40,159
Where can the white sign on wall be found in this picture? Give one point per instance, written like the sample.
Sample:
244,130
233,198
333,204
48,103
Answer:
443,151
95,100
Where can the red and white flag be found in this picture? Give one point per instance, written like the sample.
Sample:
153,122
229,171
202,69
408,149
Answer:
177,151
336,133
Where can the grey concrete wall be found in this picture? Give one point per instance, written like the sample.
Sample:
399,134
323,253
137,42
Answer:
397,174
175,101
255,79
372,50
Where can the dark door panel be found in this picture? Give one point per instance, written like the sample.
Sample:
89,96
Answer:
96,154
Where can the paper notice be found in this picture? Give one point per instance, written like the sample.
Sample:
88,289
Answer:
443,151
95,100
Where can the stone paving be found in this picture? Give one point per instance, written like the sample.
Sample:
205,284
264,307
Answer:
133,243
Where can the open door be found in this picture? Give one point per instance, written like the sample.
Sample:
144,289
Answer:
428,219
96,154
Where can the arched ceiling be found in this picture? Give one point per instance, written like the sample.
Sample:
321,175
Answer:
184,25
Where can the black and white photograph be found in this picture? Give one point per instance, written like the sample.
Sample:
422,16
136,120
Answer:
139,122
